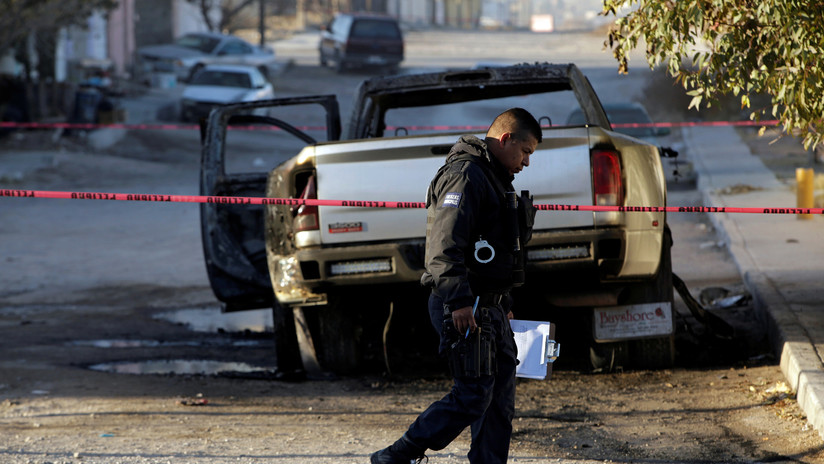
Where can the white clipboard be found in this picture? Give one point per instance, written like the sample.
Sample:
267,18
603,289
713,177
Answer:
537,349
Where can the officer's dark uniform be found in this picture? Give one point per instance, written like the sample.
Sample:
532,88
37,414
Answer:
467,203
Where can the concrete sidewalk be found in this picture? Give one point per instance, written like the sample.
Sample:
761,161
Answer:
780,257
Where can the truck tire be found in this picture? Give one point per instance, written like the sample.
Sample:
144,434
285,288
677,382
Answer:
336,334
287,350
648,353
608,357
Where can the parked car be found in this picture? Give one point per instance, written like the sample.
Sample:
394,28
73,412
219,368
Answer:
362,40
625,113
190,52
218,84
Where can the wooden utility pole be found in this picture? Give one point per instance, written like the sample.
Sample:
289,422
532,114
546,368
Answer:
301,14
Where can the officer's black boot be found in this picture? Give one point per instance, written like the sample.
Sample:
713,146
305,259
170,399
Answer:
402,451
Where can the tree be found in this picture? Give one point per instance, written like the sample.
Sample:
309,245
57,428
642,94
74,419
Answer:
733,47
229,10
22,17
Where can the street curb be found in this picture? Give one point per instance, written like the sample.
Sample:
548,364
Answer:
798,360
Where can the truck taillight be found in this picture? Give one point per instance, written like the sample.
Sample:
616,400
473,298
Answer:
307,216
607,183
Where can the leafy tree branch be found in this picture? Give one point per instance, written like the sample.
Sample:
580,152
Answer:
743,48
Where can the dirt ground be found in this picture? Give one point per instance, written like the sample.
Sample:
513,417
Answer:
79,290
53,409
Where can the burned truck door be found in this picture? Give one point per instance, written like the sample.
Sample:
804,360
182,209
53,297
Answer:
232,233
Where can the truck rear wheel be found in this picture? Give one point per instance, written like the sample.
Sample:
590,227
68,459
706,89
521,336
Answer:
607,357
287,349
335,334
364,330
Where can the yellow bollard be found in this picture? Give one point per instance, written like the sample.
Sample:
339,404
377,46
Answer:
804,192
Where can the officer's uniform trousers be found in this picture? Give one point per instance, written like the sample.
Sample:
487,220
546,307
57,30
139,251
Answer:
486,404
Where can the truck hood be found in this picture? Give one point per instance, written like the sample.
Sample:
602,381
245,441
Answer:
215,94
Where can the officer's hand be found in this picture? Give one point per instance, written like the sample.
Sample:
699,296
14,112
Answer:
463,318
510,316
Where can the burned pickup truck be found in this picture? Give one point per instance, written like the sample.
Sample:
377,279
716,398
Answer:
327,264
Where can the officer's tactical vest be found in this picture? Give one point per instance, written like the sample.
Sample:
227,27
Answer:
508,239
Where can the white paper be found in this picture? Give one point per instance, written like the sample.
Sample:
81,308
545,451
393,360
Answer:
531,337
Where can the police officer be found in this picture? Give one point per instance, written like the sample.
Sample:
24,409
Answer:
476,230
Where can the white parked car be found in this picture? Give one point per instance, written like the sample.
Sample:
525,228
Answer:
218,84
190,52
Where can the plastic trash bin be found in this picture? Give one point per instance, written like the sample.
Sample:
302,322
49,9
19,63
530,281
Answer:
86,101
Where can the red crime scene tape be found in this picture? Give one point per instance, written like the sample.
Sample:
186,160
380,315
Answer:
376,204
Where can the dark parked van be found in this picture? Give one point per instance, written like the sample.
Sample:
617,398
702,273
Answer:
361,40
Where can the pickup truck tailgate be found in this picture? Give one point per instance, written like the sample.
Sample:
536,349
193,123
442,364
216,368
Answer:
559,173
396,169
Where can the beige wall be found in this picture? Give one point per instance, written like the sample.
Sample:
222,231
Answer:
121,37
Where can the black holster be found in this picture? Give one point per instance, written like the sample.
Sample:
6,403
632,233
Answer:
525,219
474,356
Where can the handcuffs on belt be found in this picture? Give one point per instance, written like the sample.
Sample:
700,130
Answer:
482,245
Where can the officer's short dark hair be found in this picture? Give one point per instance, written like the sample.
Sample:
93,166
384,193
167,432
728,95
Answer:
518,121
